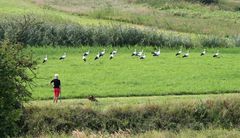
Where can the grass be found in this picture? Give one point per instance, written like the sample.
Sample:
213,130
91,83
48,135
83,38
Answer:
167,15
114,102
198,113
23,7
178,19
186,133
129,76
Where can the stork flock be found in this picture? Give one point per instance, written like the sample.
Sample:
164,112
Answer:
139,54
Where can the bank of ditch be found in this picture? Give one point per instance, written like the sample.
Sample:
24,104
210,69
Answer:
203,114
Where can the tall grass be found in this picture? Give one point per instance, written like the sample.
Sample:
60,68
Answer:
237,41
175,117
29,30
214,42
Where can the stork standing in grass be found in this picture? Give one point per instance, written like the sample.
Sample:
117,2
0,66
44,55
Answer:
216,55
111,56
203,53
86,53
63,56
140,53
156,53
101,54
85,56
134,53
186,54
143,56
114,52
45,59
179,52
97,56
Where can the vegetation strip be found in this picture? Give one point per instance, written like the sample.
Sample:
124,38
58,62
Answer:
202,115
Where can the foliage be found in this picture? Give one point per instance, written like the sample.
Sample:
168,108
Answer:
205,1
30,31
214,42
237,41
202,115
13,83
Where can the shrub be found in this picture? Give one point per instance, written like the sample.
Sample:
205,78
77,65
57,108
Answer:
221,113
30,31
237,41
213,42
14,63
205,1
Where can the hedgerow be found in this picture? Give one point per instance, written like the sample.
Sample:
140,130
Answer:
202,115
28,30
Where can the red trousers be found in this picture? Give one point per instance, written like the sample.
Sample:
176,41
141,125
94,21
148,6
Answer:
56,92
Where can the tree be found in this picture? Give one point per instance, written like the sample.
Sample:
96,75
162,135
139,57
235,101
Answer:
16,74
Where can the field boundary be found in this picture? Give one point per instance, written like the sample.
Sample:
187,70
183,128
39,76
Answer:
149,95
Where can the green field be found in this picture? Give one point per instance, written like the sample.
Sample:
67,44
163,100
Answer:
107,103
172,83
130,76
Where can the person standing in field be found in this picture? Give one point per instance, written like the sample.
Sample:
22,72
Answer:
56,87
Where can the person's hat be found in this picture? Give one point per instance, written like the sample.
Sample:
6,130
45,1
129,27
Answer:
55,76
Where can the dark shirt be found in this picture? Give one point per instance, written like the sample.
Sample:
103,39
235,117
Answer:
56,83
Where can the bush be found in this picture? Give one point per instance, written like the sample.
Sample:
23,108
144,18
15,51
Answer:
213,42
14,63
237,41
205,1
28,30
222,113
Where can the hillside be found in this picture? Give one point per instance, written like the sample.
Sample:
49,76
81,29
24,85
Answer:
181,16
220,19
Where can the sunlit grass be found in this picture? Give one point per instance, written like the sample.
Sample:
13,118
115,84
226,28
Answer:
129,76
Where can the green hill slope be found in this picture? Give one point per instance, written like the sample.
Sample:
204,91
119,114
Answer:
192,21
180,16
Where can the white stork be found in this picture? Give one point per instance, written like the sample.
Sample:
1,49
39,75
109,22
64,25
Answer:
84,58
114,52
97,56
156,53
86,54
186,54
140,53
45,59
134,53
203,53
216,55
143,56
101,54
63,56
179,52
111,56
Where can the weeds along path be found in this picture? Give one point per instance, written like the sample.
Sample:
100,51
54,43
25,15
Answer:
105,103
133,114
